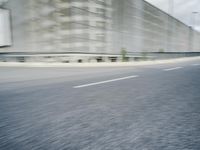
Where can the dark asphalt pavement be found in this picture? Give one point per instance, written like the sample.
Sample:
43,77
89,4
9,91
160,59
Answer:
158,110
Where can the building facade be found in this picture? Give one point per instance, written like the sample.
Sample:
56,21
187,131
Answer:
96,27
61,25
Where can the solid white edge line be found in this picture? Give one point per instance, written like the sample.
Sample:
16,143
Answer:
106,81
170,69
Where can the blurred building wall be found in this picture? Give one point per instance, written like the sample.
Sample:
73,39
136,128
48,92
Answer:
142,27
96,26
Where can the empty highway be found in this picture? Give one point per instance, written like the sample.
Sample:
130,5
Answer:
150,107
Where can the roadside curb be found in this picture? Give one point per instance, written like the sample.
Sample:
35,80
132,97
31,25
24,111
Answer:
103,64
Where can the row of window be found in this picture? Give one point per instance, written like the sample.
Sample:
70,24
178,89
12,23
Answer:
84,11
83,25
101,2
84,38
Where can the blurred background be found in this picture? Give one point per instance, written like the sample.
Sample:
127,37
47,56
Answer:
56,94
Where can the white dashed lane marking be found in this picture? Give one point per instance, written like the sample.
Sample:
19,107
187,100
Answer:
171,69
195,64
106,81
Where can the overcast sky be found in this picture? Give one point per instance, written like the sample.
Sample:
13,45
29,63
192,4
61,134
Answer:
182,10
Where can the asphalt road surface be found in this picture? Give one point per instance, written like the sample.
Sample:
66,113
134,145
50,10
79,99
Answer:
153,107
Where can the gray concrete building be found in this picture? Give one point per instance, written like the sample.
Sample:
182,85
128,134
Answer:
95,28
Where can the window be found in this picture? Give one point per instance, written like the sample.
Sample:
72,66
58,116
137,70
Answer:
101,24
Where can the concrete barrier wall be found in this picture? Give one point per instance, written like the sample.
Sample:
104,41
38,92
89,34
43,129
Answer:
90,26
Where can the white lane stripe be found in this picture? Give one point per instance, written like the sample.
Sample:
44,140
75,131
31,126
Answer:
106,81
170,69
195,64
